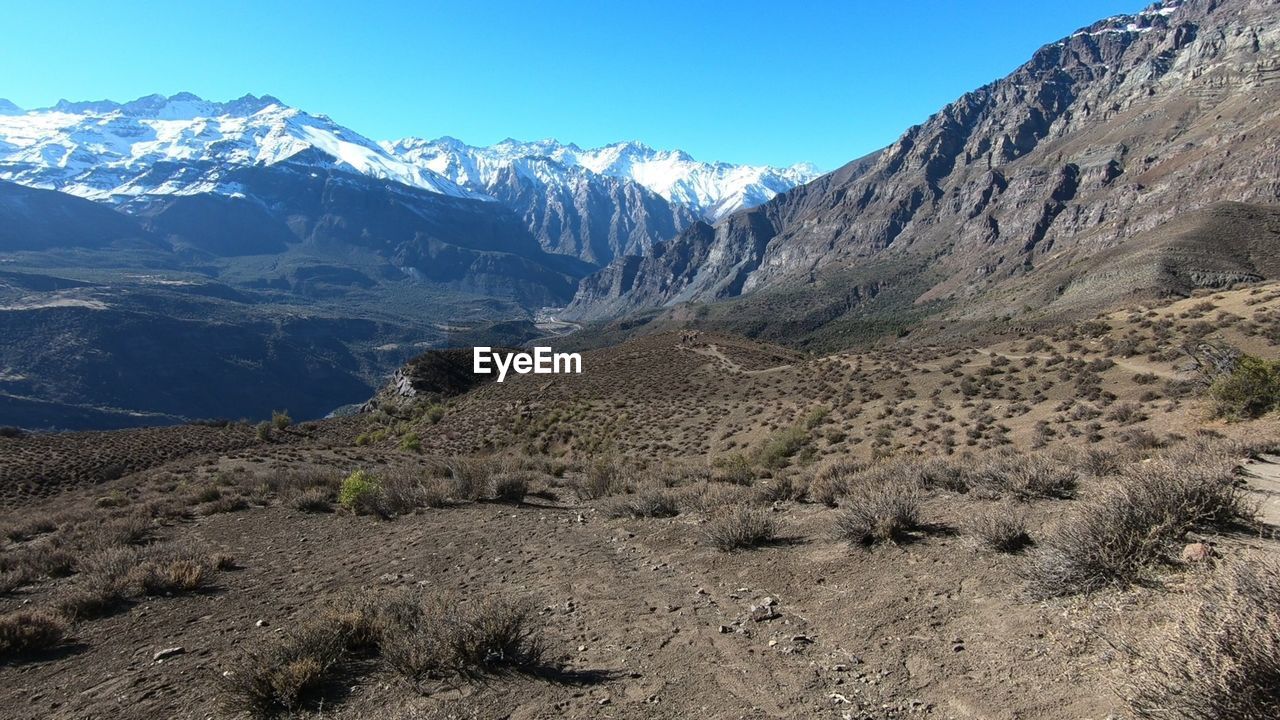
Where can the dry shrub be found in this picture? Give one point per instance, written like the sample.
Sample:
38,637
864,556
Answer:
470,477
314,499
13,580
737,469
432,636
510,487
604,477
130,529
29,632
1133,523
879,512
710,497
495,635
399,492
1220,655
939,474
740,527
646,504
1003,529
167,577
103,585
282,676
411,636
833,480
1025,477
435,492
30,527
224,504
781,488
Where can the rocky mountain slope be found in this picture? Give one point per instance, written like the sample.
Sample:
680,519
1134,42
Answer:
1098,139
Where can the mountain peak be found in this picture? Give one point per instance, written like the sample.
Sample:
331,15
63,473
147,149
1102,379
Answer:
9,108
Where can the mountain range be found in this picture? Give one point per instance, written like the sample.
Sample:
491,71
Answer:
595,204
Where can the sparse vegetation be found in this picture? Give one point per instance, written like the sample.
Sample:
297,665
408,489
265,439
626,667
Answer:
1219,656
29,632
1003,529
1115,536
649,504
880,512
740,527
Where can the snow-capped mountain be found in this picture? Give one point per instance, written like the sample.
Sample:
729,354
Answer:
712,190
108,151
595,204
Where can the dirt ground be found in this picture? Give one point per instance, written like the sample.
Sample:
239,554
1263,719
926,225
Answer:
656,622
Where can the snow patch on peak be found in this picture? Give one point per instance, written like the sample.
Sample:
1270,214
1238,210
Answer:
105,150
712,190
1153,16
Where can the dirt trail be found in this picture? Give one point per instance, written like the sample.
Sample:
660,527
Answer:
729,363
1263,478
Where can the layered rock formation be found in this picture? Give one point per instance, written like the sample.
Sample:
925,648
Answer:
1099,138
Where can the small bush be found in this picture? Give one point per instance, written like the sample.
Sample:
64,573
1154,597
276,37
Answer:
280,419
410,442
169,576
1025,477
604,477
315,499
282,676
778,451
496,636
1130,525
1250,391
432,635
1220,657
1003,530
832,481
28,632
882,512
742,527
737,469
13,580
653,504
360,493
781,488
470,477
510,487
225,504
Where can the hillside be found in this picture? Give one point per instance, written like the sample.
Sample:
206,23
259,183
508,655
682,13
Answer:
674,531
1088,148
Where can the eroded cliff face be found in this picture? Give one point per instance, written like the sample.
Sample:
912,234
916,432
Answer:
592,217
1098,138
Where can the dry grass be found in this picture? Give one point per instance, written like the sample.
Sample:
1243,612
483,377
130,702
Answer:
880,512
1134,521
283,675
1003,529
1220,655
29,632
740,527
510,487
647,504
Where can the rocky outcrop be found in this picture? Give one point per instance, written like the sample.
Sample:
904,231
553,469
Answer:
593,217
1097,139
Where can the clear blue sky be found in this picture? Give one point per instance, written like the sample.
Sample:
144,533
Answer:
755,81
